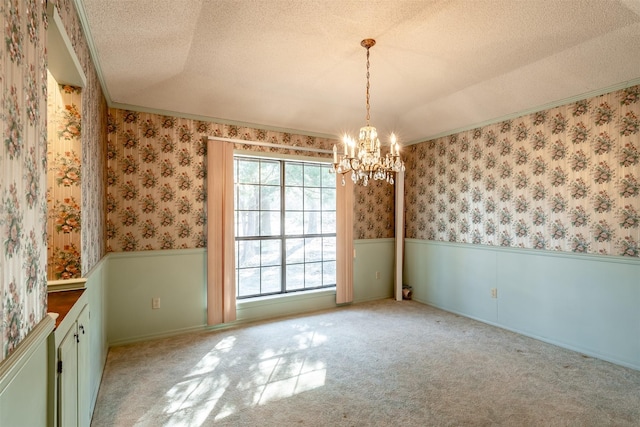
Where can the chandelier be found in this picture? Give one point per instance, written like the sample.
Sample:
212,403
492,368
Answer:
362,157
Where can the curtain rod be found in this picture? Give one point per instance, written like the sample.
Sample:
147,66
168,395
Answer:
269,144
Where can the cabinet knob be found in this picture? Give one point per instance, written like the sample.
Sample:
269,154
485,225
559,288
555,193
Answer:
82,329
77,337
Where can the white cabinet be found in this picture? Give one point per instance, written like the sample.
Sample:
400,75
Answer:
84,416
79,344
73,369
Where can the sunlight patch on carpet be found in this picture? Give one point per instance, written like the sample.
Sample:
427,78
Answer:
278,373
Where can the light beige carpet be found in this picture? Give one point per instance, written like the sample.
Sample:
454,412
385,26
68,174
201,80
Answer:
374,364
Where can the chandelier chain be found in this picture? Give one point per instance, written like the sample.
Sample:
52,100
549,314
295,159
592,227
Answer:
368,86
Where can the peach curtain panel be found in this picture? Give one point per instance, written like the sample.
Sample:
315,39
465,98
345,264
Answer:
344,240
221,289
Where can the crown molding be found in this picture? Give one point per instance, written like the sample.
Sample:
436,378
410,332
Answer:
161,112
82,15
548,106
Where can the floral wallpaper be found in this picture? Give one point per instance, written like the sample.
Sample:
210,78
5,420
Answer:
156,173
564,179
374,210
64,194
24,163
94,137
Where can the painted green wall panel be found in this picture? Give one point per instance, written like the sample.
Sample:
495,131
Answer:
178,278
98,328
415,274
24,402
374,255
588,303
458,280
24,380
468,275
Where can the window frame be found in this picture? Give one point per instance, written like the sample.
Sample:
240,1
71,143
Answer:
282,236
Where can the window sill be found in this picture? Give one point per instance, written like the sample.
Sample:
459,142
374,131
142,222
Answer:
285,298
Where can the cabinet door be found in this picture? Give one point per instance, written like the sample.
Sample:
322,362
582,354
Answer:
83,369
68,380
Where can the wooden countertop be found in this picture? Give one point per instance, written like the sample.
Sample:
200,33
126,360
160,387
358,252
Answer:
61,302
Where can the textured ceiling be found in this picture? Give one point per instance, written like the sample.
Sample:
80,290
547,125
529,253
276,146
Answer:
438,66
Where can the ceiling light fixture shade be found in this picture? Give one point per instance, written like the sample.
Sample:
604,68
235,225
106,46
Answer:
362,157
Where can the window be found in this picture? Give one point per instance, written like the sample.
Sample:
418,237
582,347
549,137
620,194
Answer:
285,218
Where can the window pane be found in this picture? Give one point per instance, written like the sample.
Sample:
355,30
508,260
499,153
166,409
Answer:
293,198
312,199
328,178
248,223
295,276
328,248
312,175
270,280
248,197
269,223
293,223
293,174
270,172
248,171
328,222
271,253
270,198
313,275
328,199
313,249
312,222
236,225
248,281
235,170
248,253
328,273
295,250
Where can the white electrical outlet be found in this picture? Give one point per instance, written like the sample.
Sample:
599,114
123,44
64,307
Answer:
377,274
155,303
494,292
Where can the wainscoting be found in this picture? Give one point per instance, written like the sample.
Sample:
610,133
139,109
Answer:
178,278
24,377
373,256
587,303
99,347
